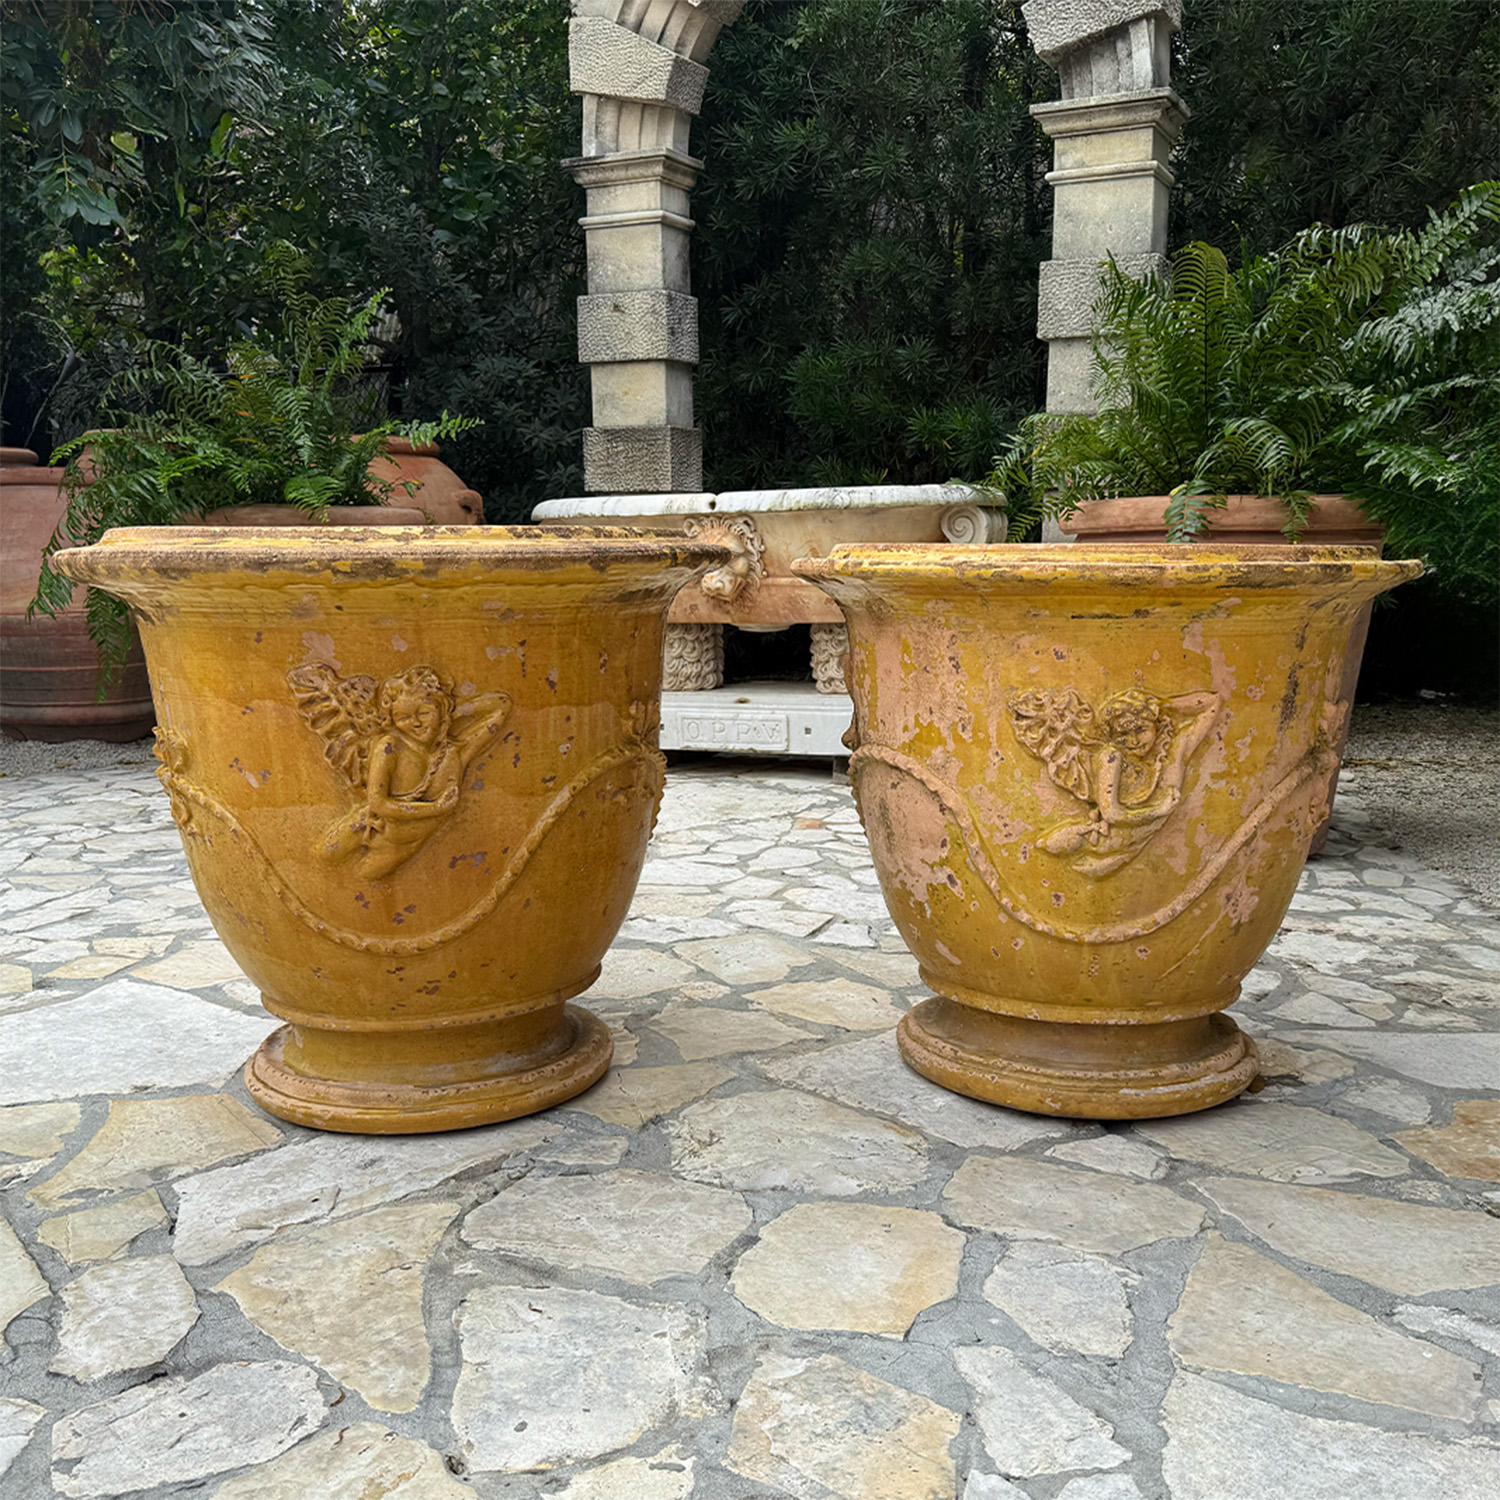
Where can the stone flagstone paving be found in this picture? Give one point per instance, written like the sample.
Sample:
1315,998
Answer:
762,1259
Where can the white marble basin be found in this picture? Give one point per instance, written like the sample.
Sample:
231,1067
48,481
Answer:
768,529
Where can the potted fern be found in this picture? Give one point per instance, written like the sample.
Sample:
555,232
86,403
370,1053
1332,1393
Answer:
268,437
1243,402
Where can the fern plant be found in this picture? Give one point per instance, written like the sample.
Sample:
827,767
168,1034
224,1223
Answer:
275,425
1354,360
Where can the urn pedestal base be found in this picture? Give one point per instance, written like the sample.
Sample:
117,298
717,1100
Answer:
380,1083
1080,1070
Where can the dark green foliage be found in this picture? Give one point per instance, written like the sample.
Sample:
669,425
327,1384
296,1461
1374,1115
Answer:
124,121
1331,112
274,426
1351,360
424,154
870,222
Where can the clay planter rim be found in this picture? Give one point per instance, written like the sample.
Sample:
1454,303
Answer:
1144,516
374,553
1069,566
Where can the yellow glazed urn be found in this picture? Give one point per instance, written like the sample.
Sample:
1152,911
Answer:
1089,776
415,770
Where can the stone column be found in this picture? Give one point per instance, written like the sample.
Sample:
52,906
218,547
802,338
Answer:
1114,128
639,66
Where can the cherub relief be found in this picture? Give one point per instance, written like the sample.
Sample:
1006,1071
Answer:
1128,761
403,745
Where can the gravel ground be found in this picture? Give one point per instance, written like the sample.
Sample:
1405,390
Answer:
1429,776
1428,772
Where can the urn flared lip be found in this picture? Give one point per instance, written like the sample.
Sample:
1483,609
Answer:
378,552
1091,565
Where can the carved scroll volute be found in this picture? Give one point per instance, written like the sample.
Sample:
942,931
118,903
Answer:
746,566
973,523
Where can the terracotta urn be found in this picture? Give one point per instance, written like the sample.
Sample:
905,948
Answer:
49,670
414,770
1089,777
443,497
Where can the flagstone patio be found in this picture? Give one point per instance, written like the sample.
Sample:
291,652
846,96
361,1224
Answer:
761,1258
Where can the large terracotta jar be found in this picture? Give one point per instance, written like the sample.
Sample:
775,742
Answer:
49,670
415,770
1089,777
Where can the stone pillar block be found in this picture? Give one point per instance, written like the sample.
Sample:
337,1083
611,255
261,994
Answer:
642,460
1068,290
643,393
619,326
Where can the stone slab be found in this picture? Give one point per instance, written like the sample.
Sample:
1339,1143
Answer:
21,1283
1029,1423
553,1376
700,1031
832,1002
1403,1247
363,1462
785,1139
121,1036
1467,1061
349,1297
332,1177
1467,1147
1062,1299
175,1431
145,1141
91,1234
1281,1142
1224,1445
1086,1210
869,1075
36,1130
633,1097
1244,1314
815,1427
18,1420
123,1315
859,1267
638,1226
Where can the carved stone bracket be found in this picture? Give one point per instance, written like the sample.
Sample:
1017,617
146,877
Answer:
694,658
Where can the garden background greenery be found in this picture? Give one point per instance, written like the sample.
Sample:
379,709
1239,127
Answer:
869,222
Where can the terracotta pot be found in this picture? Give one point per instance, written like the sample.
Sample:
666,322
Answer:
294,515
1245,520
49,671
441,495
1089,778
414,771
1248,520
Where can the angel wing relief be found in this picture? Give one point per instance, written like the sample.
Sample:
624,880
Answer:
1126,762
403,745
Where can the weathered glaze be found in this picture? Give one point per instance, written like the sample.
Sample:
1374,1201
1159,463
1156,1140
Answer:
415,770
1089,778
